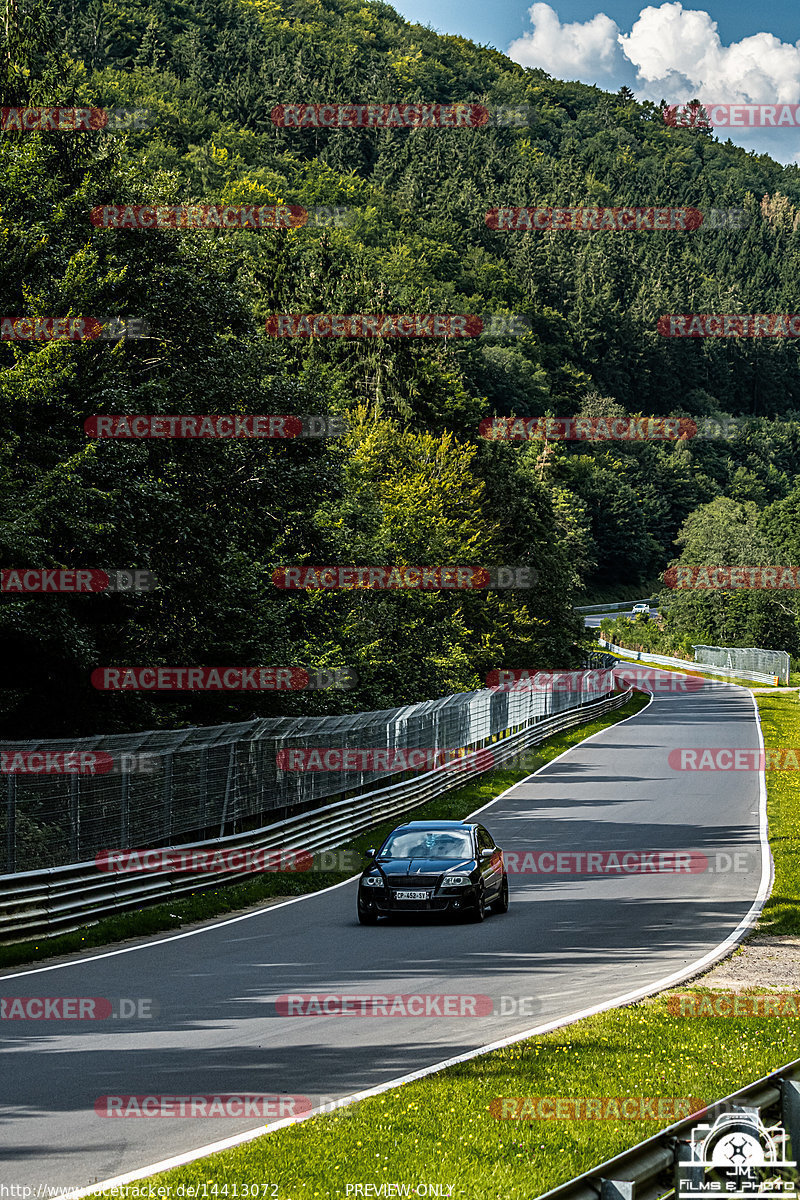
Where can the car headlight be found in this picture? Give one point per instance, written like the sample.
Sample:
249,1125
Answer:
372,881
456,881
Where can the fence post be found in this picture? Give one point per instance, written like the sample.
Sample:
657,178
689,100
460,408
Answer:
75,817
124,810
11,825
228,782
790,1112
167,797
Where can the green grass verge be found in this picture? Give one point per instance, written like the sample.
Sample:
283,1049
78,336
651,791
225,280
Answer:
202,906
441,1130
780,722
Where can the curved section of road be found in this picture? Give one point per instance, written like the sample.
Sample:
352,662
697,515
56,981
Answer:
592,620
569,941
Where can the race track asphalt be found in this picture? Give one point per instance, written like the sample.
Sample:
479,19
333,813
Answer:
568,942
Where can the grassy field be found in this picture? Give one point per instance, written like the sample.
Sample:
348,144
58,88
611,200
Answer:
441,1129
780,722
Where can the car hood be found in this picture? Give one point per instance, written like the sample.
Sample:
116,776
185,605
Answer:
424,866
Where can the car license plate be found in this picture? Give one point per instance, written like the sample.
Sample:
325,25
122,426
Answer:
412,895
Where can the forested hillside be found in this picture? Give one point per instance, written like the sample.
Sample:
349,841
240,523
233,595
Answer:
413,482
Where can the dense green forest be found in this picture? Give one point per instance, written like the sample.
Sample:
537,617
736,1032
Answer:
412,482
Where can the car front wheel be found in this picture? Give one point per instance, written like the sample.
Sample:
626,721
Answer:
366,917
478,912
500,905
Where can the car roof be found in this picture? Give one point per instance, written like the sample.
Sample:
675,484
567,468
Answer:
437,825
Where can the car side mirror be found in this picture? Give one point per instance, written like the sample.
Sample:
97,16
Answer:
487,853
371,853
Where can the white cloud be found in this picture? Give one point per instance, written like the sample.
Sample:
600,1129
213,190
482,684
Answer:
671,51
574,51
674,53
671,47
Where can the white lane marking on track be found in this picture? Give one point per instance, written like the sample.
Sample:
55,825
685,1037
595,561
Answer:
260,912
765,884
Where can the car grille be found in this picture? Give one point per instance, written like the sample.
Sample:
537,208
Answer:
413,882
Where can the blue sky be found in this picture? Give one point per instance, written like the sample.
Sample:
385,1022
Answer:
732,53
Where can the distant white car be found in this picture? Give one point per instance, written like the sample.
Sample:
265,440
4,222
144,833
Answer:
642,608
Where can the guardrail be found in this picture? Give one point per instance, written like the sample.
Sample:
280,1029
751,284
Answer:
650,1169
62,899
749,658
695,668
617,606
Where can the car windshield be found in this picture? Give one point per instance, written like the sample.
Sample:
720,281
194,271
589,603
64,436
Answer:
427,843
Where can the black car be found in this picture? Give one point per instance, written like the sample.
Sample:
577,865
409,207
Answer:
434,867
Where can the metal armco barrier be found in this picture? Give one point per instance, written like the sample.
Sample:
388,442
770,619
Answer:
67,800
650,1169
617,606
695,668
62,899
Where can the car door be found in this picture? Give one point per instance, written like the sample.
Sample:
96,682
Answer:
491,866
